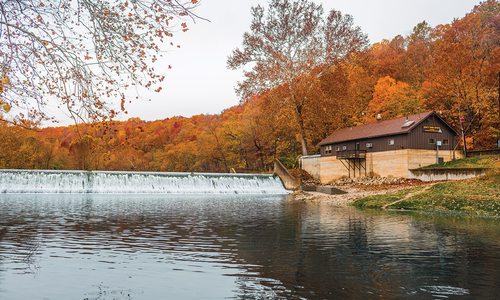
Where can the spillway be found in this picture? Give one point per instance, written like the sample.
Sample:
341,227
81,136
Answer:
110,182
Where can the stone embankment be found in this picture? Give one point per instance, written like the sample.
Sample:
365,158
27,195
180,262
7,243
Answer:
376,182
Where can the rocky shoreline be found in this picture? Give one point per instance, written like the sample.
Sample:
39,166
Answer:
356,189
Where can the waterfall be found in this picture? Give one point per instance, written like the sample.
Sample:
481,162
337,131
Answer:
104,182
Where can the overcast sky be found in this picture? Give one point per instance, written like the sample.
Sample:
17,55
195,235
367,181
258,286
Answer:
199,81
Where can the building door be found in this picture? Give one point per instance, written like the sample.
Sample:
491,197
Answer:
357,146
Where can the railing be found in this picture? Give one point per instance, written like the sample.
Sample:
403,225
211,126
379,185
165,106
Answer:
351,154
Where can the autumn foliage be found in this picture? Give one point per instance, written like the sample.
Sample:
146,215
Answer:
452,68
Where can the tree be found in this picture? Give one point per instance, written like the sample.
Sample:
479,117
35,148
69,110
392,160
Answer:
392,99
462,79
83,53
289,40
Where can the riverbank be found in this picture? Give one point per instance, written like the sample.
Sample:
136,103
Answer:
479,197
475,197
358,189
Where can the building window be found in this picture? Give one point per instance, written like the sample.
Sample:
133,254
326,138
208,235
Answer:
328,149
446,142
391,142
432,141
369,145
337,148
344,147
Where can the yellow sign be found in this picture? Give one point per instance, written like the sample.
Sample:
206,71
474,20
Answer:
435,129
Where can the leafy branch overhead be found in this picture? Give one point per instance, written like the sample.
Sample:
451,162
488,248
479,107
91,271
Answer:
82,53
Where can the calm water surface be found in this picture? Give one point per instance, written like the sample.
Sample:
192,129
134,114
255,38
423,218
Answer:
250,247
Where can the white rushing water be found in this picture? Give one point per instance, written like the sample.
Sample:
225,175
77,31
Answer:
44,181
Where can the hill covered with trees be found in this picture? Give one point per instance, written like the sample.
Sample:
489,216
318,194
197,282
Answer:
451,68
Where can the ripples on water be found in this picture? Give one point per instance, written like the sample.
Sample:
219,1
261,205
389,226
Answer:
192,247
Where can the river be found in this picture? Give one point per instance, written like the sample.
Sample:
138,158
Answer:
237,246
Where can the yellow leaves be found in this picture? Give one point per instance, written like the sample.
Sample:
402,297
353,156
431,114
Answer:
3,83
6,107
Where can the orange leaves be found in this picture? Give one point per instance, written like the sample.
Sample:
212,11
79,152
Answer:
392,98
122,103
184,27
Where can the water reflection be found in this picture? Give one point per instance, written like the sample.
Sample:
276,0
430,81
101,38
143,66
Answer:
152,247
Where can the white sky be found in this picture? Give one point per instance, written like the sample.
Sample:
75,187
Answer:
199,81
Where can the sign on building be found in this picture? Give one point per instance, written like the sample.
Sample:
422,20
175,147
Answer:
433,129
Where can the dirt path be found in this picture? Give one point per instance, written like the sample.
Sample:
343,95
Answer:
408,196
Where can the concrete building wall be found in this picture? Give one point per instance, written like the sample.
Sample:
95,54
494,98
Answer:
331,169
310,164
388,163
395,163
422,158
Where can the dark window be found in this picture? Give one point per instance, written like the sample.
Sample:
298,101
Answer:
338,148
446,142
328,149
432,141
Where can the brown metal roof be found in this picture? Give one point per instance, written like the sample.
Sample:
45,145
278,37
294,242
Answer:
380,128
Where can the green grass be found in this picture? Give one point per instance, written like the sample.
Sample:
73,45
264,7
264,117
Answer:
486,161
378,201
479,196
476,197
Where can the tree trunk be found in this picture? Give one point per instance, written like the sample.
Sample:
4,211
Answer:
302,131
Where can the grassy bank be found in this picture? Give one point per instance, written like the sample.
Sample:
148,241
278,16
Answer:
487,161
478,196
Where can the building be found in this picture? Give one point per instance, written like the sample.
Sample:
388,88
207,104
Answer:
385,148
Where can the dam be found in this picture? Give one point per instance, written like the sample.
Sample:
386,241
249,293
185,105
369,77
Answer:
117,182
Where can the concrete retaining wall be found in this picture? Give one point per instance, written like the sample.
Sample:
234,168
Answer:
395,163
437,174
289,182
